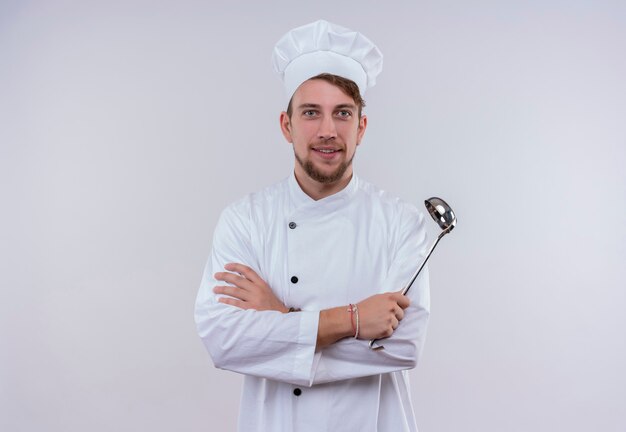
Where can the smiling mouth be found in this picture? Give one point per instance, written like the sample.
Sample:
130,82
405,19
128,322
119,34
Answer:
326,150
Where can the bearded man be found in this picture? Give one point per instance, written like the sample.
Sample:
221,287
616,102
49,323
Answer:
305,272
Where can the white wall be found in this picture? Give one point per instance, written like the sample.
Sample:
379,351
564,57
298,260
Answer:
126,126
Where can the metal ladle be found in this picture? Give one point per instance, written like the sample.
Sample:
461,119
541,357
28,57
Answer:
441,212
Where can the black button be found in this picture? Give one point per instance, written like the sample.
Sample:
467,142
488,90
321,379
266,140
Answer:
297,391
292,225
294,279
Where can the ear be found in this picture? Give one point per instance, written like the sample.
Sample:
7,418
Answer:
361,129
285,126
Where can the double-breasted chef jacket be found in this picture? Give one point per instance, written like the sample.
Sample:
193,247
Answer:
317,255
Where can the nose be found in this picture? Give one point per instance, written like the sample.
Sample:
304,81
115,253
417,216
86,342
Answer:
327,128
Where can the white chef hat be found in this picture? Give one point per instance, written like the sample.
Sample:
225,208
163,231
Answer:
322,47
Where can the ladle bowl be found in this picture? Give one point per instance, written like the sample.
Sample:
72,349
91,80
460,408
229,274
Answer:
441,213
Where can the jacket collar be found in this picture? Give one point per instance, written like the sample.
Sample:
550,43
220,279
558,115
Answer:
301,201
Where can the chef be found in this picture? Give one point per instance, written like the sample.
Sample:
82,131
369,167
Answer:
303,273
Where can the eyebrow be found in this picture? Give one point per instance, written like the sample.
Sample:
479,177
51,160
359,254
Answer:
308,105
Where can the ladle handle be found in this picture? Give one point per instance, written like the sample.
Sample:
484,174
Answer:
408,285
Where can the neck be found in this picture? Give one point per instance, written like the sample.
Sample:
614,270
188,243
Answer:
317,190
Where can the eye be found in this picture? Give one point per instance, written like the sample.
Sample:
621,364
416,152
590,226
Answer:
344,114
309,113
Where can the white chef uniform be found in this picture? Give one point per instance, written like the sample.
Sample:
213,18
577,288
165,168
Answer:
316,255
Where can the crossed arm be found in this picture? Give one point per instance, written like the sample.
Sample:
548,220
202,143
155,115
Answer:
379,315
257,338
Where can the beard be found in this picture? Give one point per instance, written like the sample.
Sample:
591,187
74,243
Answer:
318,175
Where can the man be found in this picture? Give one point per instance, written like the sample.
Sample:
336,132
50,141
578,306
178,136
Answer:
305,272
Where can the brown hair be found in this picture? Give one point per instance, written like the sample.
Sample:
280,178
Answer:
347,86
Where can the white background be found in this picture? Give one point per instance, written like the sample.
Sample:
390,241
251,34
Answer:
126,126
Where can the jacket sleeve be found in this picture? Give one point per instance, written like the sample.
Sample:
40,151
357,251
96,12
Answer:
351,358
265,344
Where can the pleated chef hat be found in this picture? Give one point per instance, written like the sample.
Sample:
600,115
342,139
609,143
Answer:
322,47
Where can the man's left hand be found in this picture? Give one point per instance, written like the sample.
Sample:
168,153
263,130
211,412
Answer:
249,291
